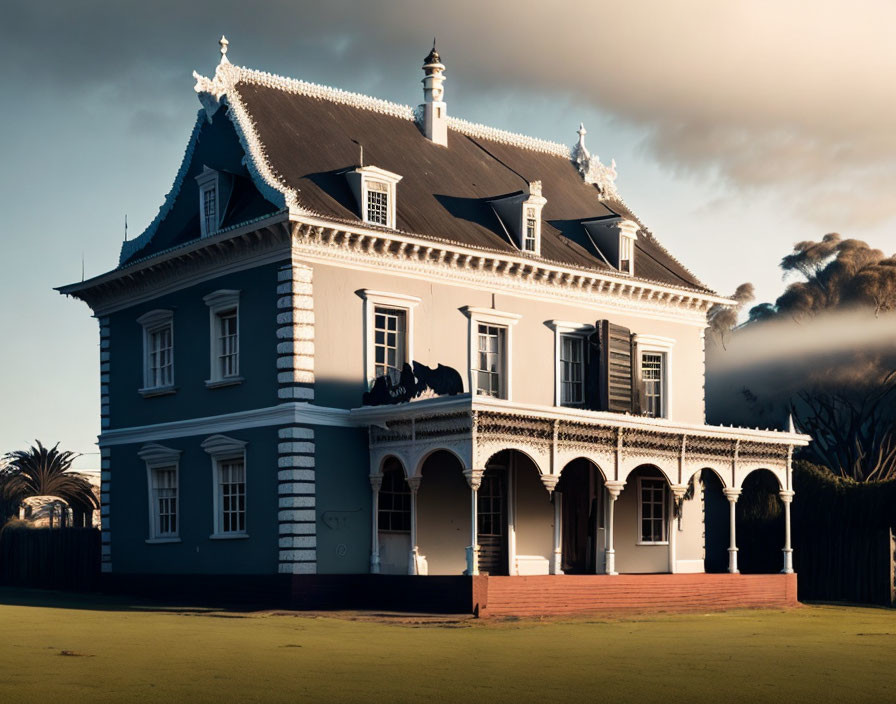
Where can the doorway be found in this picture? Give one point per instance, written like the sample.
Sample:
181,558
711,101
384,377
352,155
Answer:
492,521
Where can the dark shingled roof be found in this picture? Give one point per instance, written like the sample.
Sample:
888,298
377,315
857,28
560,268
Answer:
311,142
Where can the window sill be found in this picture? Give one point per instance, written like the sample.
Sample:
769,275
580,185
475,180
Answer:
659,542
220,383
161,541
228,536
157,391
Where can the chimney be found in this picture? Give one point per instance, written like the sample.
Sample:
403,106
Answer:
435,119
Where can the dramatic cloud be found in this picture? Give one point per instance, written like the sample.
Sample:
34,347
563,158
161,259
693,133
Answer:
782,97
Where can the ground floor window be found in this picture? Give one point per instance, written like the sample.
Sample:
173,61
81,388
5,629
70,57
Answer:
164,502
652,510
394,502
231,496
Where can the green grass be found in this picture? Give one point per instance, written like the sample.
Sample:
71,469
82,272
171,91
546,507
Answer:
119,654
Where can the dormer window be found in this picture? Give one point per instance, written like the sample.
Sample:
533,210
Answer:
520,216
375,192
209,202
614,239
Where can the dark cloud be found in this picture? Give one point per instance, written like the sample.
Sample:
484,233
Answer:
764,96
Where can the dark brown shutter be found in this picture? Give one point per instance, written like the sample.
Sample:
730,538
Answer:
615,367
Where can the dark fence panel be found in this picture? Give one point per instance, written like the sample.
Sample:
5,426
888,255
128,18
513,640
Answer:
50,558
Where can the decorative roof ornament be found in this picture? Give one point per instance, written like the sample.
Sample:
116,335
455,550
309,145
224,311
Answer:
223,44
592,171
433,57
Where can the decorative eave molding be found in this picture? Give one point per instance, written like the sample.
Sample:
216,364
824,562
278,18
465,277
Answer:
219,445
334,244
155,454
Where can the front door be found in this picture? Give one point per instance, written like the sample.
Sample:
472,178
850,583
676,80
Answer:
492,523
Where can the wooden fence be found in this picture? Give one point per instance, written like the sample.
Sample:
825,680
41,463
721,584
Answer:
50,558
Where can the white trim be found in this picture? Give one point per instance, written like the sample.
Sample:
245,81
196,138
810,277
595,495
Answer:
152,322
158,457
489,316
360,180
372,299
565,327
208,181
666,514
222,301
223,448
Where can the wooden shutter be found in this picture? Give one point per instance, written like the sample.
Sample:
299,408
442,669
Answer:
615,368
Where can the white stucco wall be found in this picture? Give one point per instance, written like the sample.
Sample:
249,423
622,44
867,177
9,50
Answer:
443,517
533,522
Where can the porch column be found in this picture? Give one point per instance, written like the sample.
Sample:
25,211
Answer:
413,568
731,495
376,482
614,488
787,497
678,492
556,562
474,479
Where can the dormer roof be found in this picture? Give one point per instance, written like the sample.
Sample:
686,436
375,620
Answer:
298,137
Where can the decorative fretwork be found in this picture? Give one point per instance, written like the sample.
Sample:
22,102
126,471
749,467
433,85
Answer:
640,442
711,448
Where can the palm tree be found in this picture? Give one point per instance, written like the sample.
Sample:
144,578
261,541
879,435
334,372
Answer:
41,471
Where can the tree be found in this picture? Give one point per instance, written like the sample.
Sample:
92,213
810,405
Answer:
41,471
722,318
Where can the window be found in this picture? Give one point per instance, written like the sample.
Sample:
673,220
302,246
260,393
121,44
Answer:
375,192
394,502
231,496
224,337
164,501
229,481
490,351
572,370
626,247
490,360
377,203
389,341
652,510
209,202
652,383
389,332
530,238
162,475
158,352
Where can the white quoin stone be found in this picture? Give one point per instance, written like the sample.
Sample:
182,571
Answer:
435,112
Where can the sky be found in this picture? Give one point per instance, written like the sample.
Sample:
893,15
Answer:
738,129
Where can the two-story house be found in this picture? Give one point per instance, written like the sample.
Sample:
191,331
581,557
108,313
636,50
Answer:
363,339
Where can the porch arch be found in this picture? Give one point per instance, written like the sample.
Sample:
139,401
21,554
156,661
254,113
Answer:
443,513
582,516
707,468
391,461
525,452
629,469
421,461
744,472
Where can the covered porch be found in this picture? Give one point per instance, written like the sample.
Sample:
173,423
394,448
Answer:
479,486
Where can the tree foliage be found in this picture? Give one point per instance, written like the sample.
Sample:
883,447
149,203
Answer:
722,318
42,471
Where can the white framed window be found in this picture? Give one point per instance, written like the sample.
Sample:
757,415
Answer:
652,355
162,472
530,232
652,511
628,233
158,352
375,190
224,337
570,350
490,351
209,202
228,485
388,333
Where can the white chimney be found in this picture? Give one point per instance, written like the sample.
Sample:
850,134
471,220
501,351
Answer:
435,118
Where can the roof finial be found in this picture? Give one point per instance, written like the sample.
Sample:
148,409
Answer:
223,43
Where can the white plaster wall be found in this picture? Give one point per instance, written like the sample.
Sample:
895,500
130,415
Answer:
394,551
533,522
443,517
689,545
441,335
631,557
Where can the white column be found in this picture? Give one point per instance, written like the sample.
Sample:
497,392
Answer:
413,567
787,497
474,479
556,562
614,488
376,481
731,495
678,492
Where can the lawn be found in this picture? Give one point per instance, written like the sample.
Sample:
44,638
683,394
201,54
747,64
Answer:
77,650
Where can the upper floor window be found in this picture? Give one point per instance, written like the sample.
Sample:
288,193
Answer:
651,354
224,336
162,474
209,201
652,511
491,360
530,239
375,191
626,257
229,481
389,325
158,351
572,370
520,216
490,351
394,502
